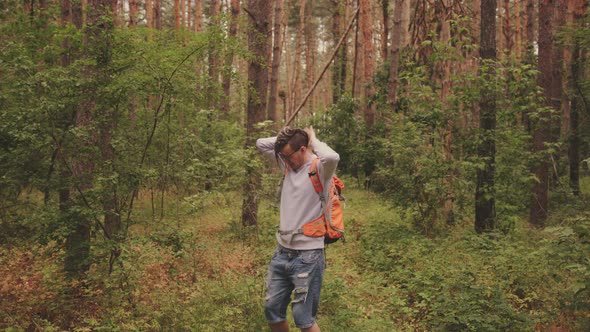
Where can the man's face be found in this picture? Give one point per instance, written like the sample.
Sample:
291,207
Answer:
293,158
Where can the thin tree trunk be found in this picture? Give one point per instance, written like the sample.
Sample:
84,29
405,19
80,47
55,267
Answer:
181,9
340,61
258,44
355,61
447,134
310,50
213,57
198,19
396,33
177,14
226,83
385,33
507,29
365,18
189,9
499,31
518,29
296,86
577,8
542,127
77,243
158,14
276,62
485,211
405,21
574,137
149,13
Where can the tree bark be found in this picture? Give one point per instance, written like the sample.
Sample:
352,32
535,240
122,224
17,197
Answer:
396,35
213,57
385,32
507,29
542,126
365,17
485,211
198,19
577,9
339,67
297,86
310,50
276,62
258,44
77,244
228,68
518,29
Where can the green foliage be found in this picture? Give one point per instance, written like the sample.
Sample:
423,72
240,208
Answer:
467,282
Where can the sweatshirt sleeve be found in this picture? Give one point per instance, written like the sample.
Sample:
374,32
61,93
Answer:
266,146
328,159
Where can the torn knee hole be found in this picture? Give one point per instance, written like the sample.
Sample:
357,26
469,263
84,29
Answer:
300,294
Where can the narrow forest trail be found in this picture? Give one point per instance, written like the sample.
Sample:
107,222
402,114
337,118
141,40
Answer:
235,260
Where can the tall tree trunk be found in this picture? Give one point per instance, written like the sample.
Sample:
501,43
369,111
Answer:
507,29
198,19
177,14
405,21
182,13
518,29
228,68
189,4
529,49
310,50
149,13
366,17
158,14
276,62
258,45
77,245
339,68
213,56
357,60
297,85
485,193
100,47
576,10
385,32
396,34
499,31
447,133
574,136
542,126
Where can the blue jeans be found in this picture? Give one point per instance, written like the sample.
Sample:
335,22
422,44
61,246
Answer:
299,272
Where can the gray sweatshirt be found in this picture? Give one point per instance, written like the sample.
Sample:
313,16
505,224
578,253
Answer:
300,203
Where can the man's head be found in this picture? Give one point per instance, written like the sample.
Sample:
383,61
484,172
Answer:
291,146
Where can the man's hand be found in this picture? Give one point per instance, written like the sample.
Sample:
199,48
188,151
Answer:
311,136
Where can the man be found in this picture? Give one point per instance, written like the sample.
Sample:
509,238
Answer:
297,265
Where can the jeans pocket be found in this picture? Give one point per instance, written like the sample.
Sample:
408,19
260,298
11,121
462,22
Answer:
311,256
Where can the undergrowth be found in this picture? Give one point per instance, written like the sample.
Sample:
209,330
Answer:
205,272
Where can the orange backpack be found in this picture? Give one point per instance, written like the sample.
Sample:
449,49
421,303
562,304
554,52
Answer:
330,224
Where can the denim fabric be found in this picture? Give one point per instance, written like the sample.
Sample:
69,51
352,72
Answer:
297,272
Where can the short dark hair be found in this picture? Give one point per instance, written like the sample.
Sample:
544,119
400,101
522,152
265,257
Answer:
295,137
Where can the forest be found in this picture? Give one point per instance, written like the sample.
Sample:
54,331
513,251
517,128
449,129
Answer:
132,196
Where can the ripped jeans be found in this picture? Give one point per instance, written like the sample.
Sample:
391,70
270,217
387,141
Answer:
299,272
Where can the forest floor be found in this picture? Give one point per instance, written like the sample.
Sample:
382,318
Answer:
199,269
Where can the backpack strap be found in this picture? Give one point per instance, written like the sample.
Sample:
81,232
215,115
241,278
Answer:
314,176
